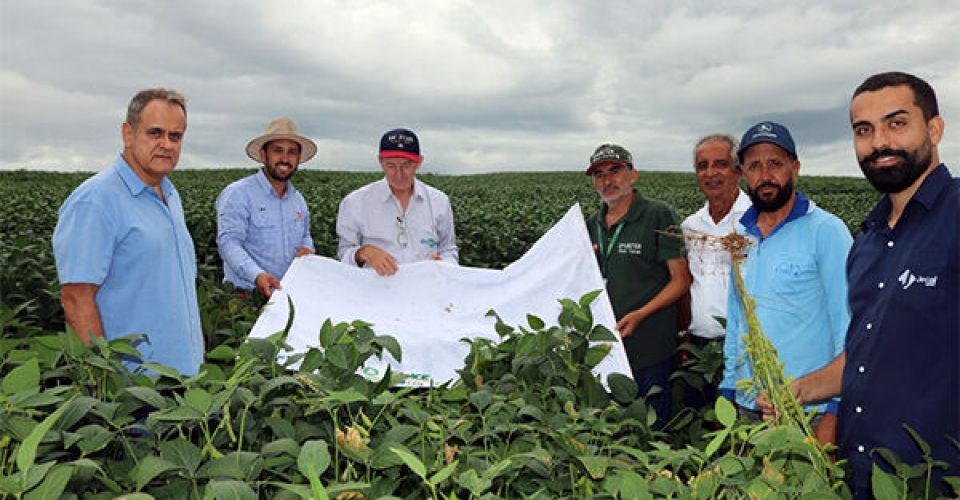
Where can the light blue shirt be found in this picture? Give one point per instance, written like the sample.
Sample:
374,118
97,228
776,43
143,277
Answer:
114,231
797,275
258,231
372,215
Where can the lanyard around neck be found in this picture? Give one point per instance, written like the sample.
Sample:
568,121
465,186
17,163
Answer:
606,252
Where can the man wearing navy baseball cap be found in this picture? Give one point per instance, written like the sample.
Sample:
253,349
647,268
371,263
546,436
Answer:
397,219
794,269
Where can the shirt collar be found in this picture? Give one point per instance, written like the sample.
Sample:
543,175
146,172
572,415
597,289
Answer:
386,194
926,196
636,208
740,205
133,182
802,207
267,188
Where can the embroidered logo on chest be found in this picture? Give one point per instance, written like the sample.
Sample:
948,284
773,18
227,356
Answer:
908,279
629,248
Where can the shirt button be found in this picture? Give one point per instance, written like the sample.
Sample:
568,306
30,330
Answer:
859,409
890,244
869,326
861,369
860,448
880,285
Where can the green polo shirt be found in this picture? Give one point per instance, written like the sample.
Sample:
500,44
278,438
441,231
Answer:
636,270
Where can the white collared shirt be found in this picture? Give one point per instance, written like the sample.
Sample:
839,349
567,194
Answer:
710,266
372,215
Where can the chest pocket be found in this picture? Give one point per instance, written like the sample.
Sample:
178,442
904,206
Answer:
796,279
263,225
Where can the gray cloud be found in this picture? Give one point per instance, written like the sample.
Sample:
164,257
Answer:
488,86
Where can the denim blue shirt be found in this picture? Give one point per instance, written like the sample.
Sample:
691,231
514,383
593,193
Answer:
797,277
903,346
258,231
114,231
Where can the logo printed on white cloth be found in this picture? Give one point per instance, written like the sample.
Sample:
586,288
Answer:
907,279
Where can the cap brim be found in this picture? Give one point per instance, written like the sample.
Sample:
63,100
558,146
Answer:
602,163
308,149
401,154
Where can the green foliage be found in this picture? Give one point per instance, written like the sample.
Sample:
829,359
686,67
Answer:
526,418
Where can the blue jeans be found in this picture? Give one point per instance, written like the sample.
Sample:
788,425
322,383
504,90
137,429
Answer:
656,375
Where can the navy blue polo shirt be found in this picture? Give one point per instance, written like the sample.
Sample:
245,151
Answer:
903,352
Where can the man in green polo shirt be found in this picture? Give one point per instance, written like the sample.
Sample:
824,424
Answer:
645,270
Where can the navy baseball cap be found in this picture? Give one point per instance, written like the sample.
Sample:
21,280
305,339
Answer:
400,143
771,132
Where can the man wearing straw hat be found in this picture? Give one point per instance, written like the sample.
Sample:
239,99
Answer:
262,220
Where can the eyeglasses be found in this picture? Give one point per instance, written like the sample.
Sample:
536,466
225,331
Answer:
612,171
402,238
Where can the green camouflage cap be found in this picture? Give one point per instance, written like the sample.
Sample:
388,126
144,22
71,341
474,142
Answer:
610,153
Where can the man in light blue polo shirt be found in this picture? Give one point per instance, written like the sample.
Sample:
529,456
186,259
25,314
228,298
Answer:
262,220
125,259
795,269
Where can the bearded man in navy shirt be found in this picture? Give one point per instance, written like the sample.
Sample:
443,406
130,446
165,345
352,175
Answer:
901,364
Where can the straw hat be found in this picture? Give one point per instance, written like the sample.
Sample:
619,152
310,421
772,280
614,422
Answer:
281,128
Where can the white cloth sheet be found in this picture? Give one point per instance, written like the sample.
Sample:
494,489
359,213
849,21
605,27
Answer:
429,306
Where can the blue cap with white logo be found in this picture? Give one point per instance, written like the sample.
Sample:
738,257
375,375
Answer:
771,132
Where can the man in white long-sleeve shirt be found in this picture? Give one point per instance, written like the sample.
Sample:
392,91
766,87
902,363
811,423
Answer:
397,219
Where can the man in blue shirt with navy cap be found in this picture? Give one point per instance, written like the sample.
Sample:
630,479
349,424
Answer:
794,269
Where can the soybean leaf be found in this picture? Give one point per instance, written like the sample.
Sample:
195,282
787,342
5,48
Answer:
53,485
22,378
147,395
314,457
411,460
229,490
589,297
623,388
716,442
443,473
166,371
885,485
535,322
222,353
312,461
183,453
149,468
390,344
198,399
595,466
725,411
27,452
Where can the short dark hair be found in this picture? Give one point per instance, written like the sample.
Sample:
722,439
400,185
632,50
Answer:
923,95
142,98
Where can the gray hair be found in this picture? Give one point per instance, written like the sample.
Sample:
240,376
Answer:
719,137
140,101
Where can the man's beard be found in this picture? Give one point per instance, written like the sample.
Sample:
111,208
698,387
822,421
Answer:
272,171
896,178
784,193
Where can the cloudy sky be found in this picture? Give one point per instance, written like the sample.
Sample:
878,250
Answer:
488,85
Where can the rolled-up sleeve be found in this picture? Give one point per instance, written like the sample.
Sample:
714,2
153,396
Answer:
233,219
